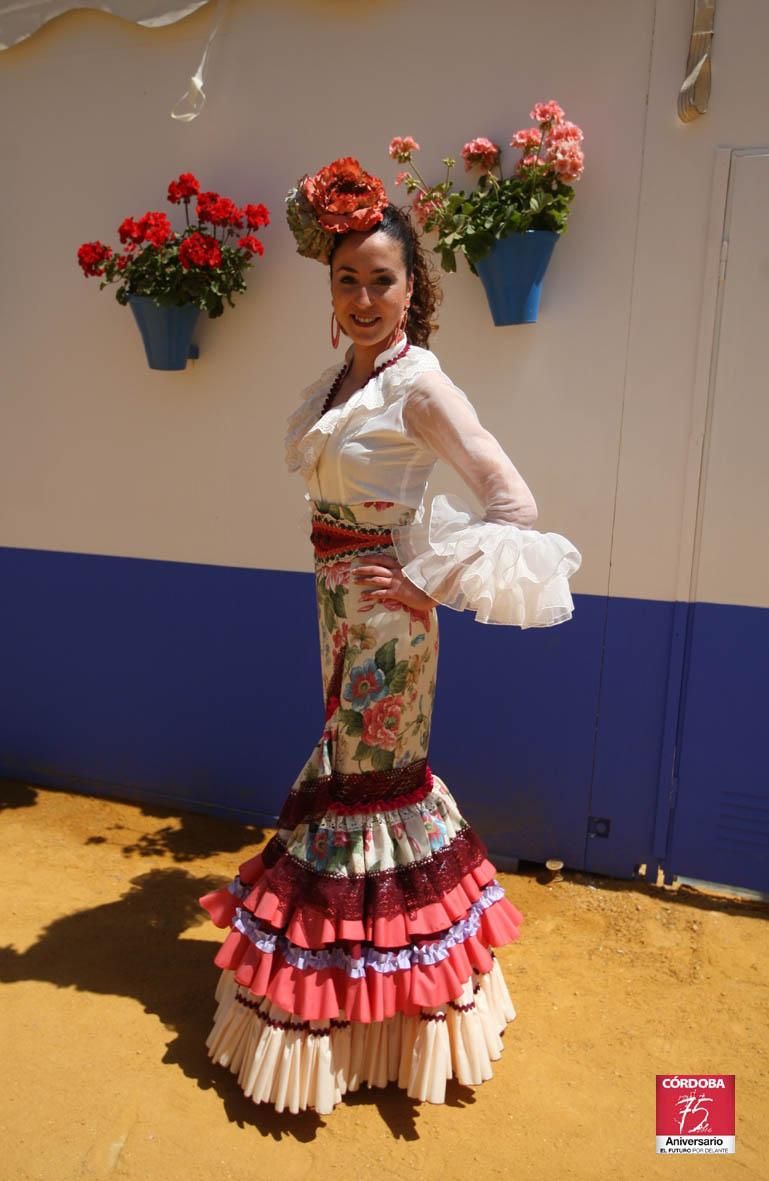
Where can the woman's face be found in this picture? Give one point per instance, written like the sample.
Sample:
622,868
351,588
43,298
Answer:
369,288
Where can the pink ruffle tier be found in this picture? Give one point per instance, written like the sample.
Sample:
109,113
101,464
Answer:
309,927
319,993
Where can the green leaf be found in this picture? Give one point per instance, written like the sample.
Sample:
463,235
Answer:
384,657
363,752
448,261
337,598
382,760
328,612
337,859
396,680
353,721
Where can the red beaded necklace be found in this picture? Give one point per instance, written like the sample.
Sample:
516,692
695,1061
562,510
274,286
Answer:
374,373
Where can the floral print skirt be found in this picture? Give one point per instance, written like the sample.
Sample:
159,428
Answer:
361,936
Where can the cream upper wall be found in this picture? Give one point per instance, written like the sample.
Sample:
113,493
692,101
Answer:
663,405
102,455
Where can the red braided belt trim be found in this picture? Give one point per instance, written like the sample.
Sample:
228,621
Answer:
335,540
349,793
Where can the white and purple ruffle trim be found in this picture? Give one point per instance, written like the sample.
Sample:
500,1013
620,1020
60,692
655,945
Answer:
397,960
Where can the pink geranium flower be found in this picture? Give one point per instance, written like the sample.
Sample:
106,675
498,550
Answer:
528,138
548,112
567,159
401,147
425,207
528,161
565,132
480,153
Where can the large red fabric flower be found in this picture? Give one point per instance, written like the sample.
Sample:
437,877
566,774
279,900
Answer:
345,197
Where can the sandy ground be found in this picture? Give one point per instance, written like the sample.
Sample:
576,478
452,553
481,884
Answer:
107,998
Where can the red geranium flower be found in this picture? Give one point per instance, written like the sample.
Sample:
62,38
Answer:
91,255
219,211
155,228
256,216
251,244
130,231
200,250
345,197
155,259
205,200
182,189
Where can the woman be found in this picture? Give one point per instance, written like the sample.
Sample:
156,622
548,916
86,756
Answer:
361,936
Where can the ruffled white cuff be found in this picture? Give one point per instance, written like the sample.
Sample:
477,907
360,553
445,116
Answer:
505,573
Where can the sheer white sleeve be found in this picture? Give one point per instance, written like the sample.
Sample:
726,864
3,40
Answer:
496,564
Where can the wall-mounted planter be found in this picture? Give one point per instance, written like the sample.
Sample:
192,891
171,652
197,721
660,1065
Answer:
512,275
166,332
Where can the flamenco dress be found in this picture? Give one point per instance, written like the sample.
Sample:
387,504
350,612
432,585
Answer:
360,944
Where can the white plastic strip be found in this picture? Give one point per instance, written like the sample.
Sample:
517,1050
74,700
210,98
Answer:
22,18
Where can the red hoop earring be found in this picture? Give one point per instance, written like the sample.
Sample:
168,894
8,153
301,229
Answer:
335,334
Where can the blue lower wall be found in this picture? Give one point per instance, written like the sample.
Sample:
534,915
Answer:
200,686
166,681
720,822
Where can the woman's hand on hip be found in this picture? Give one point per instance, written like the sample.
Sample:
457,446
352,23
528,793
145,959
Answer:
384,579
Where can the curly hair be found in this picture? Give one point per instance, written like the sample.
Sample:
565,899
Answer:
426,293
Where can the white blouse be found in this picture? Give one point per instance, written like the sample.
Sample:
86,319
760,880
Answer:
383,442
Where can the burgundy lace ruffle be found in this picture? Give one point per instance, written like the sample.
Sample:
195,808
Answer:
386,893
348,793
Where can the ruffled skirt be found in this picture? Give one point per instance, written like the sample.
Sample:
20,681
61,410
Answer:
360,938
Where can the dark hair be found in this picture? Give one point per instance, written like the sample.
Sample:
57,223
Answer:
426,293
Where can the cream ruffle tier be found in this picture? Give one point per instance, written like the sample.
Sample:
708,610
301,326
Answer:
298,1065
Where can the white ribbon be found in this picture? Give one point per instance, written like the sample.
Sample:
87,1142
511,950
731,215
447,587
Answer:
193,100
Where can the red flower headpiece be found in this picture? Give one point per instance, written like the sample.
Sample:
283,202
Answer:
345,197
338,199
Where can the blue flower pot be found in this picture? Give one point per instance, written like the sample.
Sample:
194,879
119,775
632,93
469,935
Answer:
166,332
512,275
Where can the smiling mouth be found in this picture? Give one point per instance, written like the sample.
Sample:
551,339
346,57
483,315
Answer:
364,322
